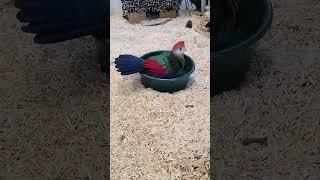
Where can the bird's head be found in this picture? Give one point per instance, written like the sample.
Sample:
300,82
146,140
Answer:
178,53
179,49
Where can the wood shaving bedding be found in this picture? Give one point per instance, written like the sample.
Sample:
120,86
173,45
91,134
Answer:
153,134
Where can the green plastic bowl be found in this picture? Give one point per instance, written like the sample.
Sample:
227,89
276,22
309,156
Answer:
230,62
168,85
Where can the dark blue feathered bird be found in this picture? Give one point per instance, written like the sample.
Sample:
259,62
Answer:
55,21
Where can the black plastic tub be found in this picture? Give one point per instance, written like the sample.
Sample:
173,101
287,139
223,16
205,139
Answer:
230,61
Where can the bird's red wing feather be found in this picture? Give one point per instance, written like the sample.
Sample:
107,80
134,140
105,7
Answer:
153,67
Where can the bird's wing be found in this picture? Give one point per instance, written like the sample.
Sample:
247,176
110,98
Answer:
162,58
59,20
153,67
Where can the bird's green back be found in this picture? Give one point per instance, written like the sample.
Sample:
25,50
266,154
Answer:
165,59
162,58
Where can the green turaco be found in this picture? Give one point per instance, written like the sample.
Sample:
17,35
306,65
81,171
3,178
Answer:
166,65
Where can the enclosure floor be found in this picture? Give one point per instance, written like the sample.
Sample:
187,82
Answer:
280,100
52,107
157,134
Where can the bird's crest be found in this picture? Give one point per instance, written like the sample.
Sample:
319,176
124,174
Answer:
178,45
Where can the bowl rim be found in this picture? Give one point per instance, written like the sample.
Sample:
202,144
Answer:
172,79
267,21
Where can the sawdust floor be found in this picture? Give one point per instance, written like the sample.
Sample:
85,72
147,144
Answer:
280,99
157,134
52,107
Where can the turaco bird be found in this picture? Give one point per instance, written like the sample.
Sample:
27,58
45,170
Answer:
55,21
166,65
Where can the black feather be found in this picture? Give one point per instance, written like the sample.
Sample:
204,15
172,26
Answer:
59,20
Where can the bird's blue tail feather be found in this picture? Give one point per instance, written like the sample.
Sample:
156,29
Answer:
129,64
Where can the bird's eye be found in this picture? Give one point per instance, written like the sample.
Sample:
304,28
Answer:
180,49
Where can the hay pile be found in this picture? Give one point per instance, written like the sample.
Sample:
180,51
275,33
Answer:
156,134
